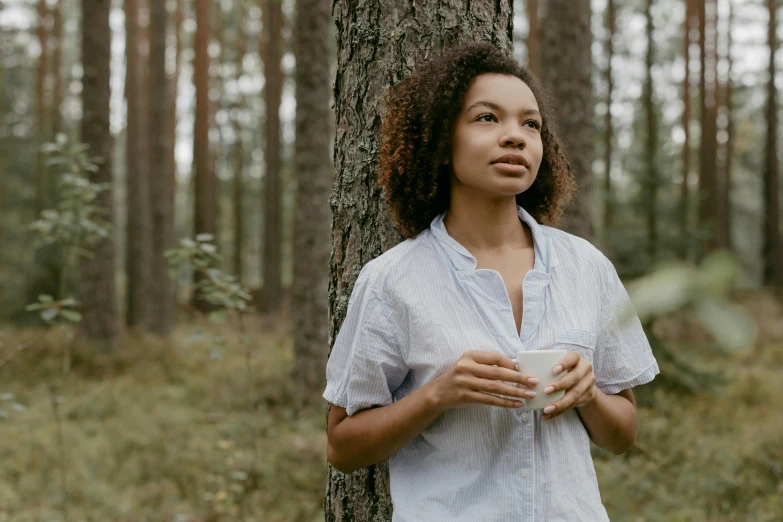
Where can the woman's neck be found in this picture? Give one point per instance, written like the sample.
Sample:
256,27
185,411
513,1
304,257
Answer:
482,224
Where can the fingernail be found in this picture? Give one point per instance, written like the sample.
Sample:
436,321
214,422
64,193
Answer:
530,394
549,389
532,380
557,369
549,409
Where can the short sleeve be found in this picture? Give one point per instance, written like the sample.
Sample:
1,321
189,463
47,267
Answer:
366,365
623,357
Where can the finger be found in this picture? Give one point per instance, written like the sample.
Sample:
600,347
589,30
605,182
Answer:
490,358
485,398
567,381
472,363
568,361
502,374
490,386
568,400
582,400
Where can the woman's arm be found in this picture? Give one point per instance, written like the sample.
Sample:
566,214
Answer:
610,420
372,435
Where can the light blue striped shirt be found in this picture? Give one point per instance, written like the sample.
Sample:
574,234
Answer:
415,309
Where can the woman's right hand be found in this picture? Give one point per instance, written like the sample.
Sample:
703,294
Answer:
476,376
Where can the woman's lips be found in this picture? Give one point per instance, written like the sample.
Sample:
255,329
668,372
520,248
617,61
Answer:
510,168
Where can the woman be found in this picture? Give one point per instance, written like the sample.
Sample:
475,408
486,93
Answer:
421,370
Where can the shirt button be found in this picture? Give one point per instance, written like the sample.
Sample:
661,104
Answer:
525,473
525,416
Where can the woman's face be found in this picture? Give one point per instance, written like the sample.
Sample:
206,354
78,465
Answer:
496,146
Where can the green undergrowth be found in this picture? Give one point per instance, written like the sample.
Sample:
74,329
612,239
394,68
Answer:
172,432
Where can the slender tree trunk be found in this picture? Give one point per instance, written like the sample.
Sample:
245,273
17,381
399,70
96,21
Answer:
567,75
273,232
708,196
178,19
97,283
725,154
161,180
314,174
651,196
533,38
57,69
771,254
380,42
216,145
138,252
205,211
608,129
41,185
690,18
239,151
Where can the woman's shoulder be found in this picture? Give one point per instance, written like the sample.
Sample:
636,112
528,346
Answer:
398,261
568,243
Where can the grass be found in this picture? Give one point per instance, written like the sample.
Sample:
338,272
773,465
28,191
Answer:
166,431
161,432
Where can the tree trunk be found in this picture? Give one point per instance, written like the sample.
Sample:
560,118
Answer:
41,185
273,233
533,38
608,130
138,252
708,195
57,69
314,174
772,257
161,302
380,42
725,155
690,18
217,30
651,196
239,150
205,210
178,19
566,75
97,286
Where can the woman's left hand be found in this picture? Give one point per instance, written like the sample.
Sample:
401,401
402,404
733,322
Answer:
578,383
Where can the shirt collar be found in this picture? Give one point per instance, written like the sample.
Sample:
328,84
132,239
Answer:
463,260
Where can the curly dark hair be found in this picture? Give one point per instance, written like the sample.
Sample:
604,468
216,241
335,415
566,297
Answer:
422,111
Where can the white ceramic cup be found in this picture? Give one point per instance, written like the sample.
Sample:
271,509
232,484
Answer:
539,364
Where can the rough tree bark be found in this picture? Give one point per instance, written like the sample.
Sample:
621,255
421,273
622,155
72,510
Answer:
98,294
380,42
139,225
161,302
314,175
567,75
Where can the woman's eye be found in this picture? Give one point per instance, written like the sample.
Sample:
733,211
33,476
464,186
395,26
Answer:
534,123
488,115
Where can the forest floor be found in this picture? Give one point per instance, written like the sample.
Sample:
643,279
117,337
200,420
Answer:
172,432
